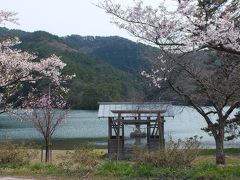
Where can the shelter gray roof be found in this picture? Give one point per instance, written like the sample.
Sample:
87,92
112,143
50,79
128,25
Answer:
106,108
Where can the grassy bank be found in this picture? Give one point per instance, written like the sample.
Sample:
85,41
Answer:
123,170
97,166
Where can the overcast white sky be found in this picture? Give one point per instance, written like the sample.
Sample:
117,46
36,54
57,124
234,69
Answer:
62,17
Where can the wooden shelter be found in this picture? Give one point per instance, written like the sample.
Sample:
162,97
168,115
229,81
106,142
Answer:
149,114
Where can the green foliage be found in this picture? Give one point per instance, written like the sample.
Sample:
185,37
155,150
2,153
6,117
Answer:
37,166
15,154
128,169
48,169
146,170
201,171
115,168
212,171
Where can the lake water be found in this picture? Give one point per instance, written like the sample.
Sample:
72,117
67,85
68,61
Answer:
85,125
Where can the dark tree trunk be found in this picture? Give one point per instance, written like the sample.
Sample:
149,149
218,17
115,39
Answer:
220,156
47,151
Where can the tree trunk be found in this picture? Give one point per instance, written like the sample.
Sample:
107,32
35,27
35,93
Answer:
47,151
220,156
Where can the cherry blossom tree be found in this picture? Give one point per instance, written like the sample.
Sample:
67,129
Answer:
19,71
189,25
181,32
47,112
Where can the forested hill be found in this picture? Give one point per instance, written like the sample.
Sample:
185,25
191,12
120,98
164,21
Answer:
117,51
106,68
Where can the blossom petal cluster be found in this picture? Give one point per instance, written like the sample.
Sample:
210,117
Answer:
8,16
189,25
47,101
46,112
18,66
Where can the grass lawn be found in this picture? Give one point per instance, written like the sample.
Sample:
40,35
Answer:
203,168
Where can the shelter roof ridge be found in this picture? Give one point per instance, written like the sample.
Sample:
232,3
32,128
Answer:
155,102
106,109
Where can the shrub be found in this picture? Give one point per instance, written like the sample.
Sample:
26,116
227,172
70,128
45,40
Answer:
17,154
83,155
176,154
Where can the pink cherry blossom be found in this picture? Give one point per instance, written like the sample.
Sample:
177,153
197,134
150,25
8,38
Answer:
186,27
17,67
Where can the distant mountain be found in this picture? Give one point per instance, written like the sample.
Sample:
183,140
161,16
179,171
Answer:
106,68
119,52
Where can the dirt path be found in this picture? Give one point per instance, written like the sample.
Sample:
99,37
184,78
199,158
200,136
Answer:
12,178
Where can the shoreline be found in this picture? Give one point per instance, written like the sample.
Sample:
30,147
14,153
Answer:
100,143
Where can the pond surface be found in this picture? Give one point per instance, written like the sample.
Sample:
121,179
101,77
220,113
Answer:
84,125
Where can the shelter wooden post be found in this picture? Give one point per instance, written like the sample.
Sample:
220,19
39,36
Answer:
162,127
122,129
109,127
148,130
118,134
160,130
